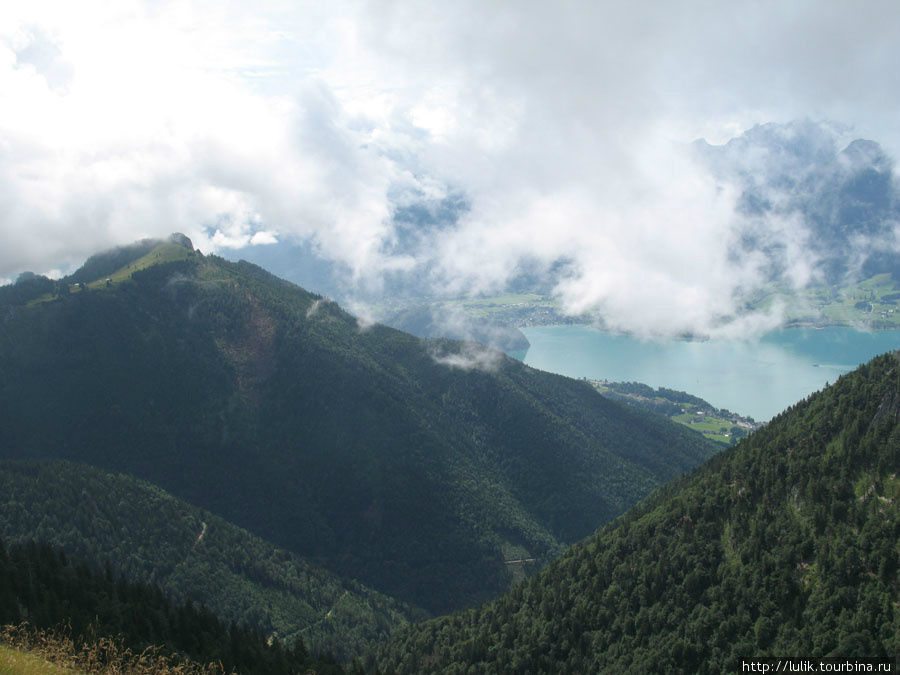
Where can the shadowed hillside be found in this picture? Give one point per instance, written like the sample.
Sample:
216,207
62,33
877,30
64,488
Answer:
191,554
786,544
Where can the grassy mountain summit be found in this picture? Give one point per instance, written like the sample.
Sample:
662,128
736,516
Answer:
786,544
417,467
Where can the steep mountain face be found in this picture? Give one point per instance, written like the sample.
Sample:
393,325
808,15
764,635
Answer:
802,190
115,521
785,544
416,467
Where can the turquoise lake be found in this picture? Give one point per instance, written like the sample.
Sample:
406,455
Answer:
759,378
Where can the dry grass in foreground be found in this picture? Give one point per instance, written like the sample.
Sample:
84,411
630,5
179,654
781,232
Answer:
15,662
54,652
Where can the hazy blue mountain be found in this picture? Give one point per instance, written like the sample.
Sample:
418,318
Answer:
800,183
302,262
298,263
815,215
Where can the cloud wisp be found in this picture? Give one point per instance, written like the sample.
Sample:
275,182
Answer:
468,356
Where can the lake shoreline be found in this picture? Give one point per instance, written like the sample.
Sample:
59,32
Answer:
690,337
756,377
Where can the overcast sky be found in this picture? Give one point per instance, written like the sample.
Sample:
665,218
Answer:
562,124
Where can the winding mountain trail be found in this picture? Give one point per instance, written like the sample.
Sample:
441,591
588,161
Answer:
202,533
328,613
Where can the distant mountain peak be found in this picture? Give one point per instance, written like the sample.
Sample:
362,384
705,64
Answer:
863,153
809,199
181,240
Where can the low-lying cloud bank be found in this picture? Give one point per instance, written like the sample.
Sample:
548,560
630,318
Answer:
468,356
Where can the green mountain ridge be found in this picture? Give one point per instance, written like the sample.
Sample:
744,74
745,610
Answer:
786,544
151,537
417,467
129,258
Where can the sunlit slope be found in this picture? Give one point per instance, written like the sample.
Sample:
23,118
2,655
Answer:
786,544
416,467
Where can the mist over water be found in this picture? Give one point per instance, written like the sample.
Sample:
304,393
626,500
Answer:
758,378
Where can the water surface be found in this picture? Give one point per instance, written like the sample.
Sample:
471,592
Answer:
758,378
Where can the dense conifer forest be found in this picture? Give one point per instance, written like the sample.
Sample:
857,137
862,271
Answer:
787,544
43,587
149,536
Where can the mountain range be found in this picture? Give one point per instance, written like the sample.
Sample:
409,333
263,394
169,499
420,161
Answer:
208,428
417,468
801,184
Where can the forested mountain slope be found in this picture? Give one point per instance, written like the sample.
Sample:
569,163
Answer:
151,537
786,544
414,466
50,592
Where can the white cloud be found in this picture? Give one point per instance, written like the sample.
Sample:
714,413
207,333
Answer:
560,124
163,128
313,308
263,238
470,356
